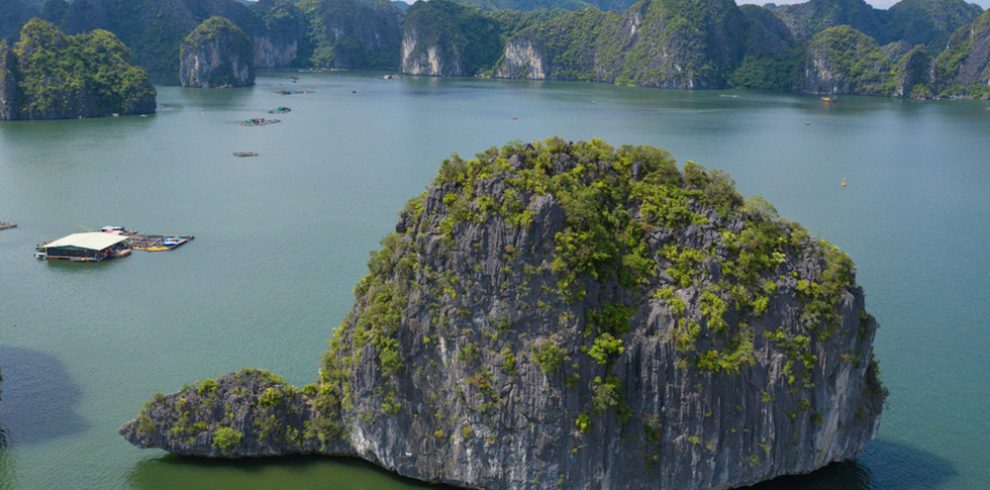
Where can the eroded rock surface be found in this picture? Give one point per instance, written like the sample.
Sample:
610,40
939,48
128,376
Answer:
216,54
571,315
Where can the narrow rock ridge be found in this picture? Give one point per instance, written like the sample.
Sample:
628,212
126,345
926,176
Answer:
571,315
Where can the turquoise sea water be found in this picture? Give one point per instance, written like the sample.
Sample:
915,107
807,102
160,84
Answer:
282,238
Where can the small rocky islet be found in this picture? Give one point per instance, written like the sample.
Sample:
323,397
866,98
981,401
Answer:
573,315
46,74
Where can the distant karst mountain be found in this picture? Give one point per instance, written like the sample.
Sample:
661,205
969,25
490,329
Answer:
686,44
526,5
217,53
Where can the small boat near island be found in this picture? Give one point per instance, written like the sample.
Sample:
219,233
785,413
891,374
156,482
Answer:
829,100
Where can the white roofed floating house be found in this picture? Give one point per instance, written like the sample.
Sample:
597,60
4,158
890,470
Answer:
86,247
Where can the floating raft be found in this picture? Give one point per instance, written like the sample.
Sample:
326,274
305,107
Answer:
157,243
259,121
5,225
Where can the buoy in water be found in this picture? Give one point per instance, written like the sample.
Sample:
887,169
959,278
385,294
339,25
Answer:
515,118
843,184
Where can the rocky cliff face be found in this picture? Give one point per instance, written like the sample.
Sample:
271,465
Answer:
571,315
915,74
153,29
284,38
842,60
657,43
928,22
48,75
444,38
967,60
809,18
522,59
216,54
354,33
274,52
8,83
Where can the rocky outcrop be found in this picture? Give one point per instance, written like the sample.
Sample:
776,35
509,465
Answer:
964,67
216,54
447,39
807,19
274,52
571,315
842,60
915,74
48,75
354,33
656,43
8,83
522,59
284,38
153,29
928,22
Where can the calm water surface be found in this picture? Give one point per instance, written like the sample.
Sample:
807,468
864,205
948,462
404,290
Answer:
282,238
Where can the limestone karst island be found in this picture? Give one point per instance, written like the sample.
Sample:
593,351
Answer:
494,244
574,315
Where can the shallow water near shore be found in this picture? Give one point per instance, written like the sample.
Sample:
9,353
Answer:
282,238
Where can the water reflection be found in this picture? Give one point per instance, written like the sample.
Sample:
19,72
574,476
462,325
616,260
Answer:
896,465
39,398
901,467
171,471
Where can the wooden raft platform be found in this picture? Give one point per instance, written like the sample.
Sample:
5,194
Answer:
157,243
5,225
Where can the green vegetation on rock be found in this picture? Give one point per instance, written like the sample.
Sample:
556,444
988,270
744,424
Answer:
462,37
353,33
534,5
603,296
59,76
963,69
217,53
929,22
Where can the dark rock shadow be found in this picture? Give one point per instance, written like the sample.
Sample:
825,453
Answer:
39,398
884,464
171,471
